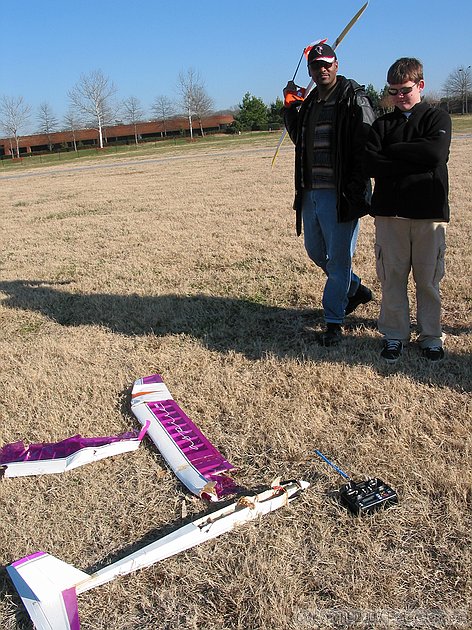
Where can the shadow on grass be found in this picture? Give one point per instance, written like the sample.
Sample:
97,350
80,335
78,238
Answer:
224,324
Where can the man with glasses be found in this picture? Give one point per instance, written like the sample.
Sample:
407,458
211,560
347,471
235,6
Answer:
407,154
329,129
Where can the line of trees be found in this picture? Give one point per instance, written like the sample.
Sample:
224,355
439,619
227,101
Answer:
92,103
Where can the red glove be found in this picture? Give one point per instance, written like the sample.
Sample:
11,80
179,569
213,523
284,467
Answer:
293,94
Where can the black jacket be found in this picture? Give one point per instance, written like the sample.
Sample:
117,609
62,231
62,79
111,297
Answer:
353,116
408,159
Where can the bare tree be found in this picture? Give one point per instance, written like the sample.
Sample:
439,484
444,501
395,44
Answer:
458,86
111,112
163,109
92,97
134,113
189,83
72,122
14,115
202,103
47,121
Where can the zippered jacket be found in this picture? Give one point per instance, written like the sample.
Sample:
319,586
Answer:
408,159
353,116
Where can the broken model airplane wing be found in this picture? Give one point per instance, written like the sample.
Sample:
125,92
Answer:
191,456
18,460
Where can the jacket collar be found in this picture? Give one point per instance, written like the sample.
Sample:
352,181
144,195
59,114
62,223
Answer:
418,108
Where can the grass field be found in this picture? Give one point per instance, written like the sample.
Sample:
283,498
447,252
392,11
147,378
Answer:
145,149
186,263
462,123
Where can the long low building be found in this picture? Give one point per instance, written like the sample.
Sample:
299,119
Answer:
116,134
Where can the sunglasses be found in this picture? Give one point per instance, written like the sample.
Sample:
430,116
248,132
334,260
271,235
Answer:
403,90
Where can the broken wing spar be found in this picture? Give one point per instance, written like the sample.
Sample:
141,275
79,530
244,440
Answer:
49,587
337,41
190,455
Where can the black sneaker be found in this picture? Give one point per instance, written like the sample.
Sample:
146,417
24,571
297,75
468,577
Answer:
392,350
332,335
361,296
435,353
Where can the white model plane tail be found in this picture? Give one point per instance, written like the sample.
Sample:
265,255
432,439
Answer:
47,587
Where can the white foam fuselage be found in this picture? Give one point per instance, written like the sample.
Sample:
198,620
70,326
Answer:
49,587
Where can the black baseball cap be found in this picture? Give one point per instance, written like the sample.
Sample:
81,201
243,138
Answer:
321,52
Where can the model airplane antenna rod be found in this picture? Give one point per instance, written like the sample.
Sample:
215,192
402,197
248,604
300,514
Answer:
338,470
298,65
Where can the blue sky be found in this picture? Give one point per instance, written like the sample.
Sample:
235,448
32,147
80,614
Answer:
236,47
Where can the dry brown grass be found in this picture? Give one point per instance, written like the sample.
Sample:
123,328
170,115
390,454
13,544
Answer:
191,268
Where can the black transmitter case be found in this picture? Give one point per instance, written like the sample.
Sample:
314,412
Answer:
365,497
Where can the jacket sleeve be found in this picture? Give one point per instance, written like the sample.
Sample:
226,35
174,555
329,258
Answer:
291,115
362,118
431,149
378,161
368,115
418,155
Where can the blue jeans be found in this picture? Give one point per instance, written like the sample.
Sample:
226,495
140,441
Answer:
331,246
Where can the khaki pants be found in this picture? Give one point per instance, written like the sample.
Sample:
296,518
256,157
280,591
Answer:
403,245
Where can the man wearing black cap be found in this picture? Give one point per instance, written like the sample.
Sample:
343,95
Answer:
329,130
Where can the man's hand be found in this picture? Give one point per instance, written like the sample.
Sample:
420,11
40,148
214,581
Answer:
293,94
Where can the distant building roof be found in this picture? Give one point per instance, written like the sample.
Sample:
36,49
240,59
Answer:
114,133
